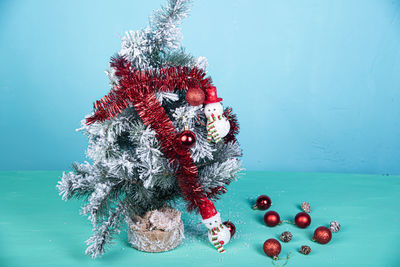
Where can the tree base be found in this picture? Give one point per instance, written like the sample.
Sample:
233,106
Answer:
157,231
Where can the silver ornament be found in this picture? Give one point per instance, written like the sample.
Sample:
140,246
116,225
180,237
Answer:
334,226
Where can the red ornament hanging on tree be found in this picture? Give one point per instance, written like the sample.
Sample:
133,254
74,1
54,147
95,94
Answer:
186,139
272,248
263,203
322,235
195,96
272,218
302,219
231,227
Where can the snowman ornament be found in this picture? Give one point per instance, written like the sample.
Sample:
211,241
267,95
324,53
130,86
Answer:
218,234
218,125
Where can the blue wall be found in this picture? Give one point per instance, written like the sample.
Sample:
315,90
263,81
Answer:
316,83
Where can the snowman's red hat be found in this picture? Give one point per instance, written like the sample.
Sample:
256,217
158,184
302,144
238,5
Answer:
208,211
211,95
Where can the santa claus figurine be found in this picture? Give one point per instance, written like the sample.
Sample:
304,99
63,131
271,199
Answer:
218,234
218,125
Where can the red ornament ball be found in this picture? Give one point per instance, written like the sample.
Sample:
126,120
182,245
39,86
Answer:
186,139
302,219
263,203
231,227
272,247
271,218
195,96
322,235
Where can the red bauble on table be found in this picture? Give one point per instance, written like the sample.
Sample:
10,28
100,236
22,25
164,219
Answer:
322,235
272,218
302,219
263,203
195,96
231,227
272,248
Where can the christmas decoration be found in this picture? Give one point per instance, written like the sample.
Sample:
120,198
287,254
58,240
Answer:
195,96
141,161
272,248
302,220
334,226
322,235
305,206
218,125
218,233
263,202
272,218
305,250
231,227
234,126
286,236
186,139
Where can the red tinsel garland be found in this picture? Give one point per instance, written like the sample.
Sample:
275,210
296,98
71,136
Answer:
234,130
137,88
145,82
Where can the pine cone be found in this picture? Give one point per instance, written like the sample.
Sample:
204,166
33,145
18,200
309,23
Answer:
286,236
306,207
305,250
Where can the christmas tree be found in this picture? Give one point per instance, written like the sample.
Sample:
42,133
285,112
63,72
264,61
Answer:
151,140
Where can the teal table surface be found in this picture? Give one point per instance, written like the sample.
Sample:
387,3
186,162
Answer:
37,228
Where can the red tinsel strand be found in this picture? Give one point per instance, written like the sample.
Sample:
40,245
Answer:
148,81
215,192
234,130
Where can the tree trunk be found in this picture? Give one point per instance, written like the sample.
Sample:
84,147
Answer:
157,231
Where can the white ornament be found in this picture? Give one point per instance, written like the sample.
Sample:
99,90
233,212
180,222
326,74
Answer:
218,125
218,234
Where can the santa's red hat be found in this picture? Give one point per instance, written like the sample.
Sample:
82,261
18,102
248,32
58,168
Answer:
211,95
208,211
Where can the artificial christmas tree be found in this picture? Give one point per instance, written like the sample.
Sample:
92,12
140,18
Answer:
148,143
